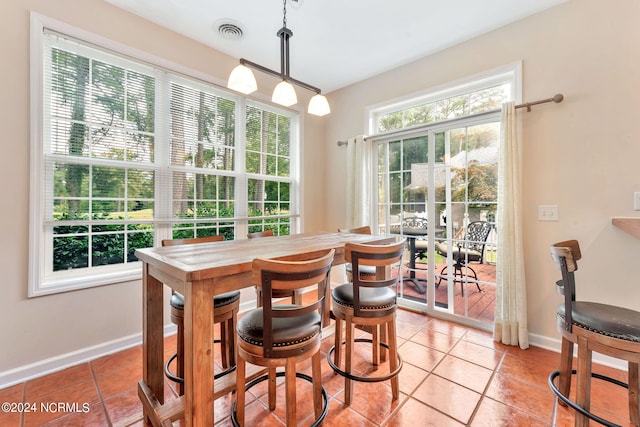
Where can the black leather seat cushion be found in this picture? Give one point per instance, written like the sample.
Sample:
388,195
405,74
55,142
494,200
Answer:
609,320
177,300
365,270
370,298
286,331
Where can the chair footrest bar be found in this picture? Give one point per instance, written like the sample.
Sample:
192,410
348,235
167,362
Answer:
579,408
177,379
316,423
169,374
337,369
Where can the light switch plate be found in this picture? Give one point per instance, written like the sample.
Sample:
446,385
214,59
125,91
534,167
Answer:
636,201
547,212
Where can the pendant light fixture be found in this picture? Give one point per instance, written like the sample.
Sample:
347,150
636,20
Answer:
242,79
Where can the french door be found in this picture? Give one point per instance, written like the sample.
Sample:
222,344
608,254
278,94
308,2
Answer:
446,175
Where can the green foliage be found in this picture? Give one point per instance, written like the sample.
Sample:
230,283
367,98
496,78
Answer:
72,250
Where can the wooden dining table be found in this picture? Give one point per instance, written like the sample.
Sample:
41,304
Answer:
199,272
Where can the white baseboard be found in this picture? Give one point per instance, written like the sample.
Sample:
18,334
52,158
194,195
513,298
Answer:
63,361
57,363
555,344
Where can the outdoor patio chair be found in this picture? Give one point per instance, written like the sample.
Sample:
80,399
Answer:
469,249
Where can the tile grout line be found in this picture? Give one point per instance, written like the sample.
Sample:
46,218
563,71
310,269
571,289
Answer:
24,397
100,396
483,395
429,373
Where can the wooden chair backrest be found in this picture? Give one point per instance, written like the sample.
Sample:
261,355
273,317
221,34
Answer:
569,250
565,254
284,274
264,233
174,242
365,229
387,259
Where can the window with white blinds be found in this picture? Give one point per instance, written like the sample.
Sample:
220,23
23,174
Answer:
129,153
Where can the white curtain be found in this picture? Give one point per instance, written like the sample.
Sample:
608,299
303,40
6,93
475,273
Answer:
358,182
511,295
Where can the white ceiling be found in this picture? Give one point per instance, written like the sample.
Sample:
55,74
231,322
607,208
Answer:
336,42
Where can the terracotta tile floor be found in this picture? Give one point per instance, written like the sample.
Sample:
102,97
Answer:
452,376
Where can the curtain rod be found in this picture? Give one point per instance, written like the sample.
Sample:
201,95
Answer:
556,98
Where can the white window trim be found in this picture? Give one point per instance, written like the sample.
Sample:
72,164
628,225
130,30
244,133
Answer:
39,283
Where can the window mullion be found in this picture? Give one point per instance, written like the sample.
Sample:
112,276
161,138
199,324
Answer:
162,158
242,187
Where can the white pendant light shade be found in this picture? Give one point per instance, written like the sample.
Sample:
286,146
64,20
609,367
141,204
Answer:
242,80
284,94
318,106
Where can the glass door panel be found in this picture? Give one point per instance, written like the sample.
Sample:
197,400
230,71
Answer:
436,189
464,270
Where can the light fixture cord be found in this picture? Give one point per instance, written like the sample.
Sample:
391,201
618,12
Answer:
284,13
284,35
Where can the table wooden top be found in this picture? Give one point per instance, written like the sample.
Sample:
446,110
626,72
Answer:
207,260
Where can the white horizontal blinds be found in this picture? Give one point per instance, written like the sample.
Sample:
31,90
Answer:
202,160
98,151
132,153
268,161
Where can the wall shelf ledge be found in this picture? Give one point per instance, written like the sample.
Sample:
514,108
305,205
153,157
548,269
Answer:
630,225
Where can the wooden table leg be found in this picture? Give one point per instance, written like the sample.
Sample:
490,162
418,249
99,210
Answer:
152,335
198,340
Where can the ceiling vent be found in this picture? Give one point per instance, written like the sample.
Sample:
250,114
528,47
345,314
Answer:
230,30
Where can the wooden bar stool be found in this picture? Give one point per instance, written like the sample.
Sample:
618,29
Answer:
284,334
609,330
369,302
225,312
365,271
295,295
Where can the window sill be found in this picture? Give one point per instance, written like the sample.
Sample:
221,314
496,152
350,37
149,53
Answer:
77,280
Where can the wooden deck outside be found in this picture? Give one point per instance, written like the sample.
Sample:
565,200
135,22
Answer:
480,305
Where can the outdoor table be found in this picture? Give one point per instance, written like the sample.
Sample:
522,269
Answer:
413,233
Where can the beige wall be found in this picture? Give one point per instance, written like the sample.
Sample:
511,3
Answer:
47,332
582,154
